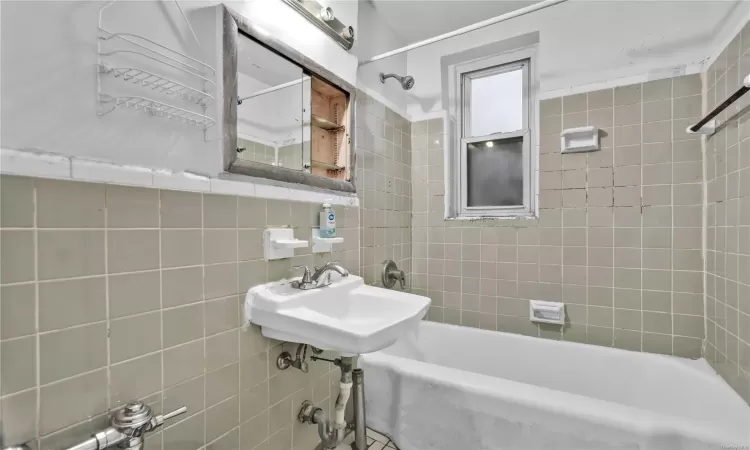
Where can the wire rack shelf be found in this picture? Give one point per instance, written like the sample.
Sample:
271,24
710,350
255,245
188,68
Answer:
158,83
114,45
155,108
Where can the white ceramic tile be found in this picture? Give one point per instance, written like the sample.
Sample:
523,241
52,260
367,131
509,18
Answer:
17,162
377,436
184,181
87,170
229,187
300,195
272,192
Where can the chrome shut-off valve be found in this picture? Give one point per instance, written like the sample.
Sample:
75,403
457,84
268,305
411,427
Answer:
127,428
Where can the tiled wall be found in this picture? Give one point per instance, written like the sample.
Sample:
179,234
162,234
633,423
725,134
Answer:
618,238
255,151
112,293
383,179
290,156
728,221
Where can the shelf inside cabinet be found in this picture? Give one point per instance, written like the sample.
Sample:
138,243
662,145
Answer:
322,122
325,165
329,134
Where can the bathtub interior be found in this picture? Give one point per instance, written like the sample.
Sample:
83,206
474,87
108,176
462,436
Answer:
657,383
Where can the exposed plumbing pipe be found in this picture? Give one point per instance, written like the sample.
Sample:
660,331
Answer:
466,29
331,432
360,427
345,389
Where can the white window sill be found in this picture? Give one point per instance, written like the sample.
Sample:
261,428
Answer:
507,221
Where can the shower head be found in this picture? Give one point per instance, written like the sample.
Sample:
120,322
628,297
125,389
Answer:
407,82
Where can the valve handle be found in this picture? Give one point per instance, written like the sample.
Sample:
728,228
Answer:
175,413
160,419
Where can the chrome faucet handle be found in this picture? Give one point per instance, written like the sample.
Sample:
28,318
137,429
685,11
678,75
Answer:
307,276
306,282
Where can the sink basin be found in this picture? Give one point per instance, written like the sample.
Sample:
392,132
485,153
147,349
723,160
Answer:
347,316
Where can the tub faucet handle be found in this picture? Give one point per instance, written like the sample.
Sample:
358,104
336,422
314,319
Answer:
391,274
401,276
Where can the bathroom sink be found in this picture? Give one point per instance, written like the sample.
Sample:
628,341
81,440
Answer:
347,316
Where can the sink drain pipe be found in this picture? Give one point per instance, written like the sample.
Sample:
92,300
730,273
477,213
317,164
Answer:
332,432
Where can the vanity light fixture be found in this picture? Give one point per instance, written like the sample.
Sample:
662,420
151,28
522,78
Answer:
323,18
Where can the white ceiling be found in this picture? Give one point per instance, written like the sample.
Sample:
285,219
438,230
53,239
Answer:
415,20
583,43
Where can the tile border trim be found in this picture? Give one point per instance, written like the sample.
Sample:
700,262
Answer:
40,164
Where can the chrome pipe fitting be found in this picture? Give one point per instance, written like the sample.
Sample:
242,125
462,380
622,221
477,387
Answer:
360,421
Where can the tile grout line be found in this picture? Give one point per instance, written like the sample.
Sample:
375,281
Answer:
673,209
38,359
203,302
161,303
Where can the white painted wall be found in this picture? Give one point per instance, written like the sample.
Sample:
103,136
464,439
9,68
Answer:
584,43
48,78
729,29
378,37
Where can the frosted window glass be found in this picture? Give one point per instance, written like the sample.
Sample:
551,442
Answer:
496,104
495,173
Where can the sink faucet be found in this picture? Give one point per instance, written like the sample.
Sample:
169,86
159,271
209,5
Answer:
317,279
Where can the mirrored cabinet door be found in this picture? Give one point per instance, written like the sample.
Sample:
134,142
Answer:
273,108
294,121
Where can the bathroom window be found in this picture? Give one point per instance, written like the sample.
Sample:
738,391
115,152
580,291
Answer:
491,158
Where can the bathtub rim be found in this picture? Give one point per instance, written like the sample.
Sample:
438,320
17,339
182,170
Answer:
626,418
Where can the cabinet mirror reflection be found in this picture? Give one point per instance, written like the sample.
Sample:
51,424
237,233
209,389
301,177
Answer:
287,117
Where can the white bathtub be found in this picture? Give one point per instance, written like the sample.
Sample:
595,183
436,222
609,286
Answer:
458,388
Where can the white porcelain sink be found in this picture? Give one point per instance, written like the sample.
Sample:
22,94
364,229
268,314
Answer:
347,316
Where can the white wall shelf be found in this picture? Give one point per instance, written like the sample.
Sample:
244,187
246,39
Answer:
279,243
323,245
582,139
157,83
109,103
547,312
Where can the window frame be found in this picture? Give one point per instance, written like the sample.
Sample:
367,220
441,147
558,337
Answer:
460,76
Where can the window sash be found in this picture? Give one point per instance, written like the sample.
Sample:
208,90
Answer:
468,75
476,211
456,190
